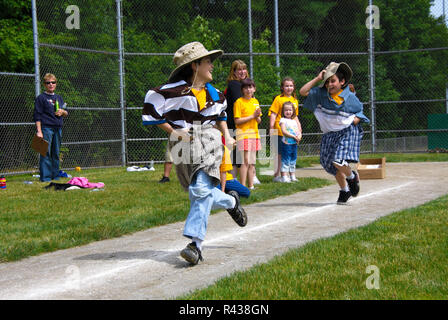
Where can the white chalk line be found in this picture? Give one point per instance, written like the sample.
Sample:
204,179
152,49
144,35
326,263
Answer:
302,214
58,288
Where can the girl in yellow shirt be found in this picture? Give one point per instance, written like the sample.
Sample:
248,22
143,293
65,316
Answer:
247,114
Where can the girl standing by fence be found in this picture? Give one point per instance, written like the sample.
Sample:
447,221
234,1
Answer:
288,93
292,134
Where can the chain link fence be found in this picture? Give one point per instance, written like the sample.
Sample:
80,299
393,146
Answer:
16,126
106,57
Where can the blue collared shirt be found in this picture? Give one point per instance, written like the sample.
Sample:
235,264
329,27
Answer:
320,98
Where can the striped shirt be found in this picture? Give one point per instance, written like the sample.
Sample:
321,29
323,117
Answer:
171,104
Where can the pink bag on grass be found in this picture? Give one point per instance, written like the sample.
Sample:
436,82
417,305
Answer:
84,183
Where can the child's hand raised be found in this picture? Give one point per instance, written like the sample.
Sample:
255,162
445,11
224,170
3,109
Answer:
321,74
257,112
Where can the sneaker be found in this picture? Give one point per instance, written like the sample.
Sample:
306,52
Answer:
256,181
285,179
238,214
344,196
191,253
63,174
294,179
277,179
353,184
164,179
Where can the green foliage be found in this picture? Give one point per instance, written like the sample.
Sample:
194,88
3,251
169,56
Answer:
16,36
200,30
265,72
414,76
162,26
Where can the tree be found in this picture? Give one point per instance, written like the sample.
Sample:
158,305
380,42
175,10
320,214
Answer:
16,36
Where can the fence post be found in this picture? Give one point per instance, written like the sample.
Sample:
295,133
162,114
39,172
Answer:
121,76
446,98
36,49
249,21
372,82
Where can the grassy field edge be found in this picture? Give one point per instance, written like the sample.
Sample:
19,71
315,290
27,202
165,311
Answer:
400,256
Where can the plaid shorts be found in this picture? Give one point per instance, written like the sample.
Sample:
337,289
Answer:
340,145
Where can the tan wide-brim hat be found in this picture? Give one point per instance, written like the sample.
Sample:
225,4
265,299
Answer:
190,52
331,70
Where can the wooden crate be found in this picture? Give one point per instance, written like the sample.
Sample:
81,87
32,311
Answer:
372,168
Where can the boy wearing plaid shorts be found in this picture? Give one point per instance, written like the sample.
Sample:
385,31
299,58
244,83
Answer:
339,113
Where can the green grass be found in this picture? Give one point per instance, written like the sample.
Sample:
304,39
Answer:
408,248
34,220
409,157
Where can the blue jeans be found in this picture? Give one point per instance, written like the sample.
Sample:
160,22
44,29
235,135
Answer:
235,185
49,165
204,197
289,157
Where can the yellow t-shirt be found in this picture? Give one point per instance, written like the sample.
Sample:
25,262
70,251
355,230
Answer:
226,164
201,96
244,108
229,176
276,107
337,98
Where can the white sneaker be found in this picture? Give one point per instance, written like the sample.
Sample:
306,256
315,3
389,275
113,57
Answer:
286,179
294,179
256,181
277,179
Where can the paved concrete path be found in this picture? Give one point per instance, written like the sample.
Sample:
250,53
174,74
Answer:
146,264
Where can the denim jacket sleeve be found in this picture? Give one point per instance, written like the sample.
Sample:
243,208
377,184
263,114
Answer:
353,105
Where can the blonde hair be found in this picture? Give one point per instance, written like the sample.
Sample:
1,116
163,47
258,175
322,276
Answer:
289,103
49,76
237,64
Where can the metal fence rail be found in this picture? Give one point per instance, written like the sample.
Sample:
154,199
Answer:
107,57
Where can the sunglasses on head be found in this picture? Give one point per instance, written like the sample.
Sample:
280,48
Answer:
48,82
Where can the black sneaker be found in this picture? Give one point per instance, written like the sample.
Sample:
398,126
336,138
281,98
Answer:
191,253
344,196
164,179
238,214
353,184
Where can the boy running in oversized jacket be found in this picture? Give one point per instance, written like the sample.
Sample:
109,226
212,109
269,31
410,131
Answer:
193,113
